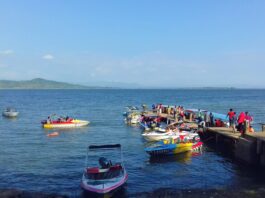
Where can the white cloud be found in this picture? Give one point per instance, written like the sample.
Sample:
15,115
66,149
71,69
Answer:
6,52
48,57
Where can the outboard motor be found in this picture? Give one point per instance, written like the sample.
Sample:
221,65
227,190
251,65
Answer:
104,163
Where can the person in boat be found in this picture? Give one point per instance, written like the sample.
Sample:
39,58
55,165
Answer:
67,119
48,120
211,119
168,110
144,107
200,116
159,109
182,114
153,107
202,124
104,163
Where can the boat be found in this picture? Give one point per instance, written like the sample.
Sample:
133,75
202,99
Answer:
158,135
10,113
130,109
104,176
173,146
152,123
133,118
61,122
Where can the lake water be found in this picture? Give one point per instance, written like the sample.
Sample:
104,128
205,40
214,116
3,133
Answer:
29,160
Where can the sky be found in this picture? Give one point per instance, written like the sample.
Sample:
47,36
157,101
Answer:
151,43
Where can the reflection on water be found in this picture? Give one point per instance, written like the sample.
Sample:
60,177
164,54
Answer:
62,130
179,158
12,119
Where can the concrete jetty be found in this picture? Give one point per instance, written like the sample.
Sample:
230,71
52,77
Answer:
249,148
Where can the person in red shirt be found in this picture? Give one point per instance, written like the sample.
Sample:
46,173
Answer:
218,123
240,121
231,114
248,117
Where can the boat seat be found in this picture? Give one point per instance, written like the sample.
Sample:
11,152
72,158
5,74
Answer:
98,173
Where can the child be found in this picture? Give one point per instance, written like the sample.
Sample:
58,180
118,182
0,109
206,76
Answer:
251,129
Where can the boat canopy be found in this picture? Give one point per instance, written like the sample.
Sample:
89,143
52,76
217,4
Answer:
195,110
104,146
10,109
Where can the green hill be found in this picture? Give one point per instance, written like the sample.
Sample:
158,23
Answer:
39,83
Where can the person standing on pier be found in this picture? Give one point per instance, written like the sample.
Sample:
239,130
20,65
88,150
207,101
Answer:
248,117
231,114
240,120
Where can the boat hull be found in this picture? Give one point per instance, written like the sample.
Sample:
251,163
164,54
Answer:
105,186
73,124
171,149
10,114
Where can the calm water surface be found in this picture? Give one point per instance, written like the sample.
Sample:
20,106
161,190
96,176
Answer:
30,160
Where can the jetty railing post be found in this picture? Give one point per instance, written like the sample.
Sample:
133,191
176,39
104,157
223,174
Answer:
246,126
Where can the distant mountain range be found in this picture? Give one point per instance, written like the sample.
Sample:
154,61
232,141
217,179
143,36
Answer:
39,83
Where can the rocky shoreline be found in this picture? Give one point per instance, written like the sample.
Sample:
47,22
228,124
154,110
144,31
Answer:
14,193
160,193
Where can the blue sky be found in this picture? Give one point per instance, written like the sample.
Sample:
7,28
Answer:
148,42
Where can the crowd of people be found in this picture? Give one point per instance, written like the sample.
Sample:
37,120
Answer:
177,112
240,123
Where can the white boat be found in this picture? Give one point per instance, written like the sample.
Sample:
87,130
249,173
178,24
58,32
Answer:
107,177
130,109
156,135
133,118
10,113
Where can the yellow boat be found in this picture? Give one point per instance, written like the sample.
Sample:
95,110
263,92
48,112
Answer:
61,124
169,147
